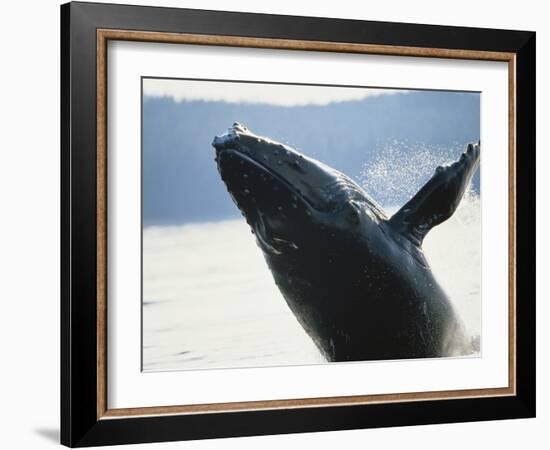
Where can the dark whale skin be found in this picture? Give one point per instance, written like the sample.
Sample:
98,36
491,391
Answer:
356,280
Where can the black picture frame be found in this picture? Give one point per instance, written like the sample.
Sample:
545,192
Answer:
80,424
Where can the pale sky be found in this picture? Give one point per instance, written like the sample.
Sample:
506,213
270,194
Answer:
274,94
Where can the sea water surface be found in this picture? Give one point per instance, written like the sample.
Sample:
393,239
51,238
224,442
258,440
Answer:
209,300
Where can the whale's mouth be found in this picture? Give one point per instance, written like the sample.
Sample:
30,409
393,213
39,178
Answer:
273,176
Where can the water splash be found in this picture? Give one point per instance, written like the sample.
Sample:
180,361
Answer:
401,167
453,250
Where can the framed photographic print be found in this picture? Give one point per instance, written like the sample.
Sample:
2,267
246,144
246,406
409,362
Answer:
267,221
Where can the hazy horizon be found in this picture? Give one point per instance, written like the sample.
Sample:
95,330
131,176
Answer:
369,138
275,94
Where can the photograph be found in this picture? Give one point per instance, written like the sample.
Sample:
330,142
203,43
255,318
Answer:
295,224
287,221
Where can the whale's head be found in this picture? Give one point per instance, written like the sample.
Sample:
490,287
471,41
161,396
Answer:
286,197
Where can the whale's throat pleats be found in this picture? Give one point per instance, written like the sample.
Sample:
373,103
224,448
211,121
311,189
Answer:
438,199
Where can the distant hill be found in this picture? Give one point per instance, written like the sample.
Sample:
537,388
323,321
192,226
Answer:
181,183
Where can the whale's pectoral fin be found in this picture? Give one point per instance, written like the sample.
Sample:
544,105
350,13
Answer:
438,199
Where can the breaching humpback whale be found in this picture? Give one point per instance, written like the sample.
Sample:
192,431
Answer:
356,279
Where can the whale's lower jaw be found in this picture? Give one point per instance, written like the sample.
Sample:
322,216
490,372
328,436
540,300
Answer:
267,201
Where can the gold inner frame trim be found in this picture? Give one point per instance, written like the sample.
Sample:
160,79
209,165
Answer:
103,36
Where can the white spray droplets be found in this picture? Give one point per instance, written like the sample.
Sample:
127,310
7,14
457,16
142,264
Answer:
401,168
